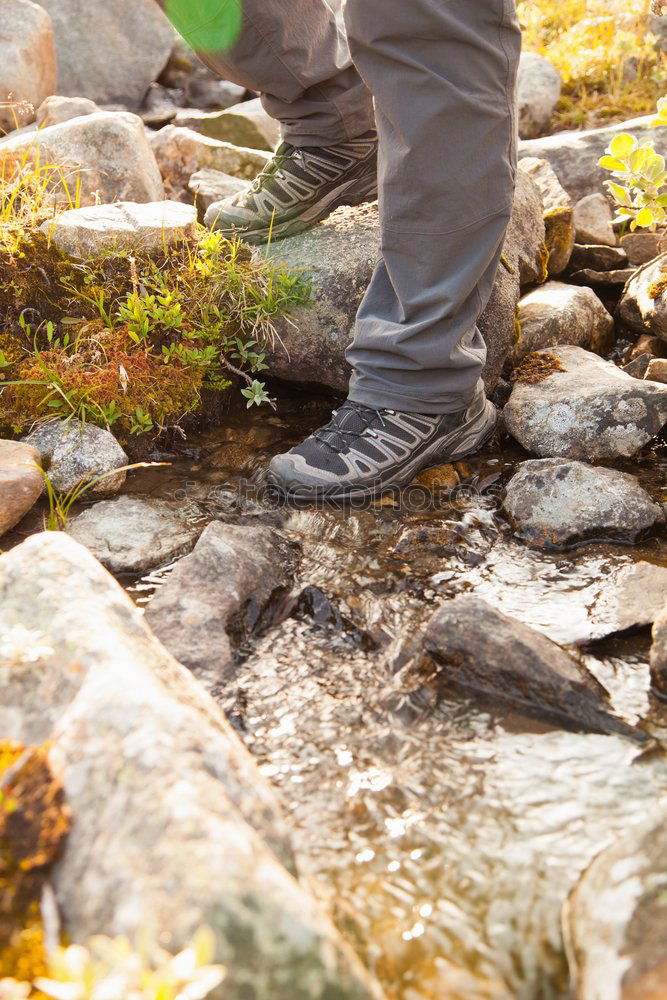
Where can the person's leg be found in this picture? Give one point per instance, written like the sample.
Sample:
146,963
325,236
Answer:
443,74
294,54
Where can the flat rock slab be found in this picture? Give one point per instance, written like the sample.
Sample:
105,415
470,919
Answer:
133,535
20,482
73,453
90,232
106,154
246,124
633,597
614,921
215,597
557,313
590,410
554,503
598,258
173,825
479,651
644,304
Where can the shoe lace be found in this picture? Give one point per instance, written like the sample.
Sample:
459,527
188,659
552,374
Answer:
338,438
283,155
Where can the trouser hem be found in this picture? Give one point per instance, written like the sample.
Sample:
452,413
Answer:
380,399
300,135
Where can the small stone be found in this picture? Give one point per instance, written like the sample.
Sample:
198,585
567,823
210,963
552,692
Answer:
602,278
632,597
161,105
475,649
659,652
642,247
245,124
591,410
656,370
107,154
643,307
27,64
557,313
181,152
73,453
91,232
20,482
215,597
56,109
592,221
598,258
133,535
646,344
556,503
638,366
540,88
558,213
210,186
441,477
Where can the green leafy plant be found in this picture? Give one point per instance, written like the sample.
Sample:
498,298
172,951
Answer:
639,188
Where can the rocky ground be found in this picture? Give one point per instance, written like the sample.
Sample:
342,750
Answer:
391,670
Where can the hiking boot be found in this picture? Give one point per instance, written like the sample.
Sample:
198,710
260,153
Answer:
363,451
298,188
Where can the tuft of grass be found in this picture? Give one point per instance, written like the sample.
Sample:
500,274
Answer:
610,68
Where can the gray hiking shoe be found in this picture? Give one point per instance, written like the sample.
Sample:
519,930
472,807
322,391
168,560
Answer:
363,451
298,188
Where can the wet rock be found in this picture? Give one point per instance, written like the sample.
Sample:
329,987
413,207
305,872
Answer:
340,255
574,155
557,313
614,920
601,279
20,482
245,124
209,186
55,110
28,63
598,258
659,652
479,651
180,153
590,410
644,304
73,453
91,232
109,52
133,535
106,153
173,826
558,213
641,247
592,221
632,597
656,370
540,88
216,596
555,503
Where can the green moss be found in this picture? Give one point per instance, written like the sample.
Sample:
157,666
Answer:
517,327
543,263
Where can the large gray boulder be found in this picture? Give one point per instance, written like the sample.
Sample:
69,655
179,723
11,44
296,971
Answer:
109,52
339,256
574,155
173,827
20,482
133,535
539,90
644,304
474,649
27,61
74,453
556,313
552,503
615,922
216,596
107,154
582,407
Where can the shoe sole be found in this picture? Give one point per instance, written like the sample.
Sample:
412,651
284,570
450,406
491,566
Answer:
476,434
366,191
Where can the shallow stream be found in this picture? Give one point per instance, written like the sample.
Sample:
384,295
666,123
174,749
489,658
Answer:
446,835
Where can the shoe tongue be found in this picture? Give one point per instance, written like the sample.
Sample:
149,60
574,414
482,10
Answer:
350,419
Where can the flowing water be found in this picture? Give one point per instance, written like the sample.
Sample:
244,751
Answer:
444,834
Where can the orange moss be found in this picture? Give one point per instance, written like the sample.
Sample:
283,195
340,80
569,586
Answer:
536,367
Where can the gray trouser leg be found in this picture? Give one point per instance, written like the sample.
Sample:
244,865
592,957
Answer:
443,74
293,52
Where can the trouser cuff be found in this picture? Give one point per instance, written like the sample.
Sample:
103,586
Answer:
381,399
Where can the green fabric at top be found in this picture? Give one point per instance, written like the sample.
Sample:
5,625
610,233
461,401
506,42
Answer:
207,25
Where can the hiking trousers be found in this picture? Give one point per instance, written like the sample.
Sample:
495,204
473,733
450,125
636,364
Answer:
439,79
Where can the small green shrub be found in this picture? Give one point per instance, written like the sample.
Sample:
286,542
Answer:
639,190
